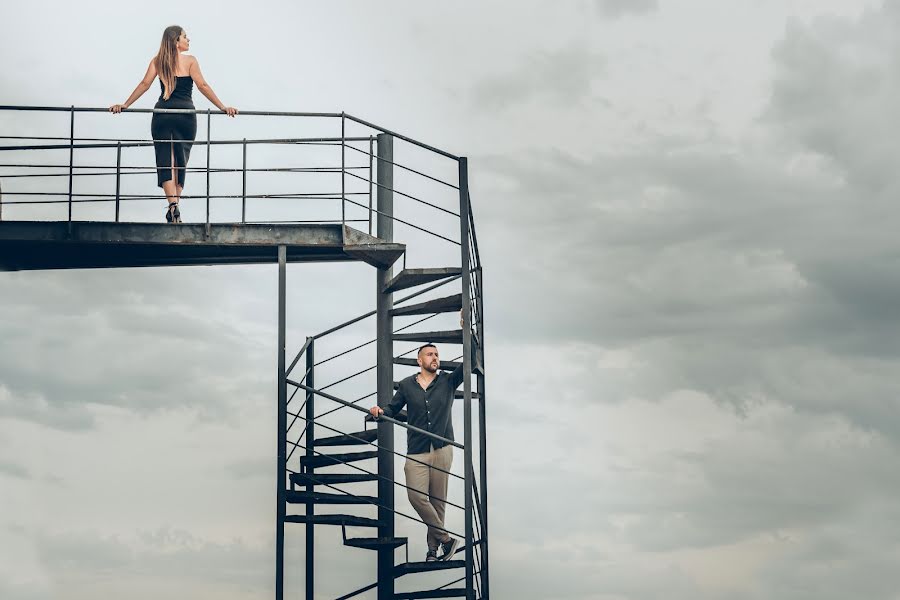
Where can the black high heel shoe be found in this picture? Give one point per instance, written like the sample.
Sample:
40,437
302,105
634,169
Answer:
170,212
176,214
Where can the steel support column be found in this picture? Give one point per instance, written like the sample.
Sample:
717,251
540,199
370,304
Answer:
385,369
482,446
482,451
310,487
467,368
280,476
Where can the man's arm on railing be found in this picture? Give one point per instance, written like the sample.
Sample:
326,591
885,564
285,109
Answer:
396,405
142,87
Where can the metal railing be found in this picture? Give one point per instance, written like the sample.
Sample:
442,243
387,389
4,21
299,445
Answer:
71,170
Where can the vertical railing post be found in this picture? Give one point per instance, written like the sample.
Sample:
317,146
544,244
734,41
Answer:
482,446
244,183
208,149
118,176
281,479
1,200
385,371
371,149
467,368
310,487
343,172
71,161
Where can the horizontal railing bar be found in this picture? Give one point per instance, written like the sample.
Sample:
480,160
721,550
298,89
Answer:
329,141
393,218
348,377
348,404
401,137
405,168
122,140
196,111
401,301
323,361
153,170
251,113
357,374
384,187
304,221
154,167
149,198
308,195
344,324
337,408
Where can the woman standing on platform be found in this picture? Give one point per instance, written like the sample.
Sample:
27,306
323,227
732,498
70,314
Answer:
173,133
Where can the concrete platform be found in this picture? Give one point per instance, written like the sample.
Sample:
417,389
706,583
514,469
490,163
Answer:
35,245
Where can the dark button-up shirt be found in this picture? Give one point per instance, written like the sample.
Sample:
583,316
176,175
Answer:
428,409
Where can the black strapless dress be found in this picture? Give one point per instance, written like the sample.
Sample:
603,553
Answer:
179,129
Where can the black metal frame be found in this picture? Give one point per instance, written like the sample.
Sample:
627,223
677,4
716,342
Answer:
381,189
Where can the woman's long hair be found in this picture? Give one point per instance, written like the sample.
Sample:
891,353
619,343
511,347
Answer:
167,59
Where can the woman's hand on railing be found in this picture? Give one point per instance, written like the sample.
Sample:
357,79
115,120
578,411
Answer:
376,411
117,108
230,111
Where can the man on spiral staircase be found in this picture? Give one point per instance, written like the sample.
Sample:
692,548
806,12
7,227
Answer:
428,396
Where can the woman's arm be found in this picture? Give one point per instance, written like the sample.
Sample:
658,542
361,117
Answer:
207,90
142,87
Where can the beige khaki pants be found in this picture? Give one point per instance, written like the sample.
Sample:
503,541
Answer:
423,481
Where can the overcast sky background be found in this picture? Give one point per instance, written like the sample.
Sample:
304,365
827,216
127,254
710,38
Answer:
688,217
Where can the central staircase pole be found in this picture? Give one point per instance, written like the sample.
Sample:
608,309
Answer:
281,479
385,369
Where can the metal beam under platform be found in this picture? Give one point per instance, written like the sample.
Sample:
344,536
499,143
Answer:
34,245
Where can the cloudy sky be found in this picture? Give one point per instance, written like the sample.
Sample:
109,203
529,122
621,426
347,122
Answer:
687,214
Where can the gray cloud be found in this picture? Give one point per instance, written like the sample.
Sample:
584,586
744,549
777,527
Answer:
11,469
560,76
620,8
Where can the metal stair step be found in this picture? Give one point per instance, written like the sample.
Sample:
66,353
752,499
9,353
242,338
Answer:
376,543
348,520
446,365
330,478
302,497
444,593
408,278
438,305
421,567
373,250
326,460
452,336
350,439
